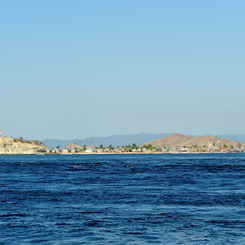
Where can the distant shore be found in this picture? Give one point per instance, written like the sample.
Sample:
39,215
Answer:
125,153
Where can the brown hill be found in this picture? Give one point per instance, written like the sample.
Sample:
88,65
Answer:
176,140
210,141
180,140
91,147
72,146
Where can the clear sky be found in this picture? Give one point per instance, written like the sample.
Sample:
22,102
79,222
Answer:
75,69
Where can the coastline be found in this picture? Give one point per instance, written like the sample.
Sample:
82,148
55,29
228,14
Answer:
122,153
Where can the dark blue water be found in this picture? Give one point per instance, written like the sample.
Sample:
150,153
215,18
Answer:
123,199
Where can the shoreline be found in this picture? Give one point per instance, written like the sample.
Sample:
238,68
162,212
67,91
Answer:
121,153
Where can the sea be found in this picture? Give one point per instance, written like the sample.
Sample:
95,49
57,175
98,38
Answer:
122,199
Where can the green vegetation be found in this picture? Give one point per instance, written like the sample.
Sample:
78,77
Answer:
149,147
41,150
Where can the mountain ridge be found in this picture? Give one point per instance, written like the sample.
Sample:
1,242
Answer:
123,139
114,140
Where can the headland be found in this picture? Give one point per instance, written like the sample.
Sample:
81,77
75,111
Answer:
10,146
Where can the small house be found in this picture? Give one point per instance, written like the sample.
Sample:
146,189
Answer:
65,151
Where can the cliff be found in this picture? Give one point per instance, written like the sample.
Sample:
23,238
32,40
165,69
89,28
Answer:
11,146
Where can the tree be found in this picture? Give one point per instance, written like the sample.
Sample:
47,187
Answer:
84,148
149,147
231,147
134,146
213,144
101,146
225,146
117,146
58,147
123,146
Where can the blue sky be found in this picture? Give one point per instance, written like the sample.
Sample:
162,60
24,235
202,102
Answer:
75,69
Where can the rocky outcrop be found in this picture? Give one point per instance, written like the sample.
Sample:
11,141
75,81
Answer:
12,146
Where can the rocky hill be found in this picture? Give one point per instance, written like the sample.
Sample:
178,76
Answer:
11,146
73,146
91,147
180,140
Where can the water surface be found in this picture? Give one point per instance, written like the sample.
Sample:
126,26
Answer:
123,199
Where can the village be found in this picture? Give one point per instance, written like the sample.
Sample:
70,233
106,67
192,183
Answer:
133,149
